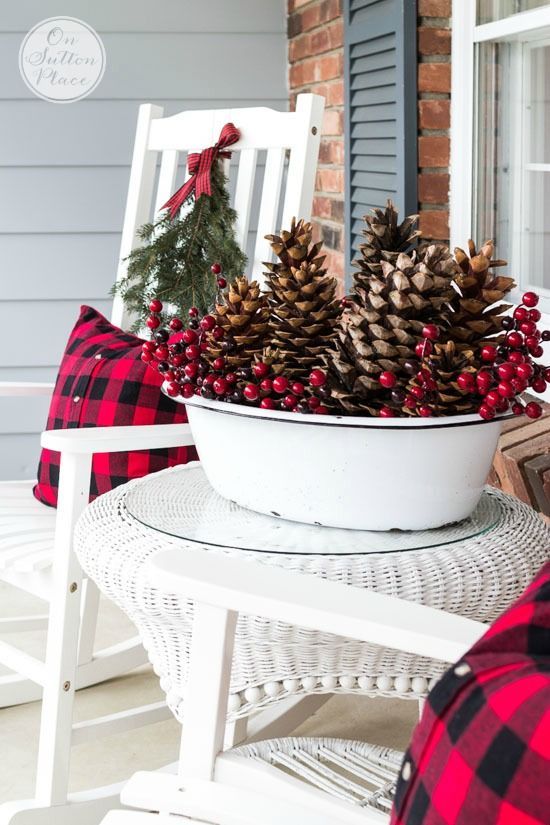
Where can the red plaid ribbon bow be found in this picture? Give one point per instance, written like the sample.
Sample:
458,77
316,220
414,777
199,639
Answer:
200,165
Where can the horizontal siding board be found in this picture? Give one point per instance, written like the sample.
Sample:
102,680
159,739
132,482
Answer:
374,63
373,97
21,416
368,163
149,66
141,16
94,133
371,114
374,147
20,455
377,181
374,129
376,196
373,46
369,80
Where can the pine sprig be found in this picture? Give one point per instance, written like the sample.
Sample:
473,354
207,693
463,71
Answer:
173,262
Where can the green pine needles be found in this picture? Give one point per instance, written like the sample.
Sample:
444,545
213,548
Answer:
173,264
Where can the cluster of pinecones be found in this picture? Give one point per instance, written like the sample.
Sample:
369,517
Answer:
417,321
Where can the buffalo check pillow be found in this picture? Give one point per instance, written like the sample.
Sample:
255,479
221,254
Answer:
102,382
481,753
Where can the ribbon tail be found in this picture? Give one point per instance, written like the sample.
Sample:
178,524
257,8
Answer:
180,196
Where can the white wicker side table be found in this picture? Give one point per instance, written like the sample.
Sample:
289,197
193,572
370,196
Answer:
476,568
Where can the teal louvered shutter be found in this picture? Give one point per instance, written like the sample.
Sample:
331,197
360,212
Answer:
381,109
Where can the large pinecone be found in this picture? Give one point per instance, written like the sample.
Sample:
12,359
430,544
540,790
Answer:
382,324
243,315
301,297
480,288
385,239
446,363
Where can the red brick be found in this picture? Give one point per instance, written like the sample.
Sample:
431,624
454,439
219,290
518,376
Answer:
335,266
329,10
310,18
302,73
331,151
321,208
333,122
434,224
328,67
434,41
330,180
433,188
335,93
433,151
298,3
298,48
434,77
434,8
434,114
320,41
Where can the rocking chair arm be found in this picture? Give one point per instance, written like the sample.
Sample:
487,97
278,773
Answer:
90,440
12,389
308,601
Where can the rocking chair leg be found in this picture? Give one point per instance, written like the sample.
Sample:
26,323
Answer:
88,621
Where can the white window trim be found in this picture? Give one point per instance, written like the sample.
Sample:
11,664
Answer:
465,35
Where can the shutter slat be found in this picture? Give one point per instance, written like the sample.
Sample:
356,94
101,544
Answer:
381,95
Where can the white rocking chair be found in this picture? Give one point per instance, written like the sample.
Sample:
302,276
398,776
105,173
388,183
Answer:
36,542
282,781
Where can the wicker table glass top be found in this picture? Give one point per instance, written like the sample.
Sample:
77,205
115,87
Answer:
199,514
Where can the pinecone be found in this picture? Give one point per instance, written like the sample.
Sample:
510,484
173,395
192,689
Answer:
243,315
385,240
382,324
301,297
479,289
446,363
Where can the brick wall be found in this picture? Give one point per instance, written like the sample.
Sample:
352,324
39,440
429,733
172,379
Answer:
315,51
316,56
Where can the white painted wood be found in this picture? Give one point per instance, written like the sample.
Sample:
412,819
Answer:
303,158
167,178
114,439
284,717
89,609
243,194
207,691
25,388
516,24
328,606
23,663
120,722
23,624
462,122
269,208
83,808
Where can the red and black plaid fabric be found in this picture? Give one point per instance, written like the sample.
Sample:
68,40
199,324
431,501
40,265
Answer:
102,382
481,753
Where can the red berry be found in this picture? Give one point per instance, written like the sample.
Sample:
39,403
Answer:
533,410
425,411
506,389
251,392
317,378
503,405
466,382
173,389
187,390
530,299
209,379
222,283
486,412
191,370
386,412
524,371
515,357
423,348
153,322
176,324
410,402
208,323
531,342
189,336
290,401
535,315
517,409
528,327
162,352
506,371
483,382
231,378
192,352
218,333
260,369
220,386
519,385
216,268
170,375
488,353
521,314
417,393
298,388
266,385
155,305
218,363
267,404
387,379
344,302
178,360
280,384
431,332
514,340
146,356
539,385
313,403
193,312
149,346
321,410
537,352
492,398
547,374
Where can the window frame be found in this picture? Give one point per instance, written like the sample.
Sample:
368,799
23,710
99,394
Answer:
466,35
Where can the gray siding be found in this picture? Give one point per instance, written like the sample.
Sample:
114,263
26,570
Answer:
64,168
